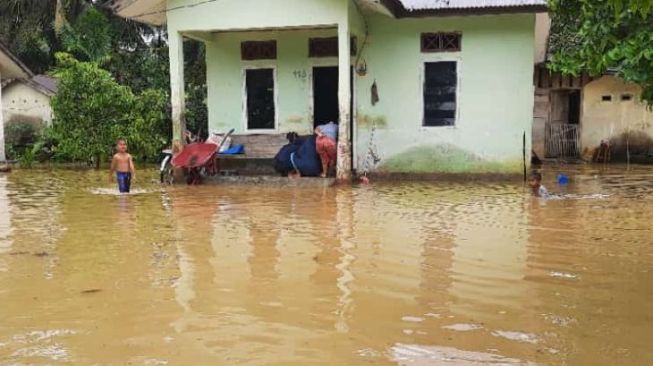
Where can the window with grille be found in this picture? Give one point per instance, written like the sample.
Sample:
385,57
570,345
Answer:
441,42
327,47
258,50
440,93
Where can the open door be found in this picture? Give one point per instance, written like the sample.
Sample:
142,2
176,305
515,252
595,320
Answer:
325,95
562,135
326,107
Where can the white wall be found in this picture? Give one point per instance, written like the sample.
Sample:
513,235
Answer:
605,120
21,102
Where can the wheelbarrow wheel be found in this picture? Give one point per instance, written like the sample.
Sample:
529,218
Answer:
167,174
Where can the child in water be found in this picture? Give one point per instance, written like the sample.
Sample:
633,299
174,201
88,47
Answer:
122,165
535,183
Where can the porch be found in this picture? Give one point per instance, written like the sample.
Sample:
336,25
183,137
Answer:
268,77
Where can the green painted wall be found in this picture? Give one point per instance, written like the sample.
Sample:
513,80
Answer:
495,100
293,73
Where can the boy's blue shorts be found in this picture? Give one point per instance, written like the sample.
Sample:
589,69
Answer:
124,181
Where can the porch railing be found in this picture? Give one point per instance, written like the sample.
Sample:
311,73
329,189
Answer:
562,140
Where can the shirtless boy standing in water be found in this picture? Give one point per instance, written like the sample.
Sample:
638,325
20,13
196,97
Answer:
123,166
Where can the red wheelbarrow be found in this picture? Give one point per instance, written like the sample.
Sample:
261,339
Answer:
199,158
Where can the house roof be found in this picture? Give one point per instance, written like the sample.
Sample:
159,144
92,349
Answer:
412,5
154,11
425,8
11,66
46,82
144,11
41,83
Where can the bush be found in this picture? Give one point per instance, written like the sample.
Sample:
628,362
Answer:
44,148
20,135
26,159
91,111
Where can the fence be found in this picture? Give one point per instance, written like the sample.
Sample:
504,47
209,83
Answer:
562,140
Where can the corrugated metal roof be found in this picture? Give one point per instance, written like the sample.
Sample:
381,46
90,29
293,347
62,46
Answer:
49,83
411,5
41,83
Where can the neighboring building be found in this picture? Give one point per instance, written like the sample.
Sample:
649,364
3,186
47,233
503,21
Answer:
557,113
10,68
574,115
28,100
437,86
612,112
593,118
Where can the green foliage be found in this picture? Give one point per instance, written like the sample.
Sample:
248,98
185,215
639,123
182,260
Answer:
136,55
26,159
197,118
597,36
89,38
141,68
19,137
149,130
28,28
44,148
92,111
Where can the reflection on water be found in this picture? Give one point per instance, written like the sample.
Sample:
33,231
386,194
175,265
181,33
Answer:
396,274
5,219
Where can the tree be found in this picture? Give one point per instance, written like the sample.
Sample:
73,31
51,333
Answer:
91,111
135,54
89,38
600,35
197,118
33,29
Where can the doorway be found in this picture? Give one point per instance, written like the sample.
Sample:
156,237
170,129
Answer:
326,106
574,107
562,138
325,95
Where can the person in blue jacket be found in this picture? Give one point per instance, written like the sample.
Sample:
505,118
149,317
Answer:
306,161
282,163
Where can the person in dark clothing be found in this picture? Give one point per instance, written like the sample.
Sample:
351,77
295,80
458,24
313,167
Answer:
282,163
306,161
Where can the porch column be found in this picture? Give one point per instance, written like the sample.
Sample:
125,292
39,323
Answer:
344,99
3,157
177,93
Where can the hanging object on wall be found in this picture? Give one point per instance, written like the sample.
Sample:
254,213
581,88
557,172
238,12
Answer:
375,93
361,68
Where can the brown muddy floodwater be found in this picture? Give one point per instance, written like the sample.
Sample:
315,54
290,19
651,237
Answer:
388,274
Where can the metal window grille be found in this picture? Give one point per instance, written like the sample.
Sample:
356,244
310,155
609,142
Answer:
441,42
440,93
258,50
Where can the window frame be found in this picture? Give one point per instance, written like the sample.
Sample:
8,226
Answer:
457,34
244,98
433,58
244,43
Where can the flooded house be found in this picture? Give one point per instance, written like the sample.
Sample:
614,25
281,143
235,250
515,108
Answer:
417,86
10,68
